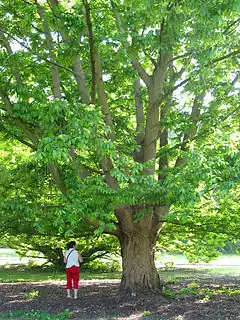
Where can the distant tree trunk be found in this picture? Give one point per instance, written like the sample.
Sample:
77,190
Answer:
57,258
53,255
137,250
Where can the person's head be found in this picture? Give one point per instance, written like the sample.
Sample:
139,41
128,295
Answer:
71,244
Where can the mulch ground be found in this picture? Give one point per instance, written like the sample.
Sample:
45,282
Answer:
100,300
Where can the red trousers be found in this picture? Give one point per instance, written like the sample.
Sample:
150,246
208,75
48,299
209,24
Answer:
73,275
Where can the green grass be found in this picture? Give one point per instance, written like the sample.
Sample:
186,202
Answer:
36,315
23,273
9,275
27,275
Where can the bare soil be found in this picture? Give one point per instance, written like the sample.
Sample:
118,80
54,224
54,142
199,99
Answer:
100,300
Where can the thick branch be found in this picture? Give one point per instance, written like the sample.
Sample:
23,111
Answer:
141,72
57,178
98,74
15,70
26,143
152,121
136,64
83,171
55,73
28,132
140,120
76,63
194,118
163,161
51,62
106,163
159,215
91,44
96,225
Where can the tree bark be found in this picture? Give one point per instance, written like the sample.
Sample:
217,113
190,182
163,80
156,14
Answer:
139,275
139,271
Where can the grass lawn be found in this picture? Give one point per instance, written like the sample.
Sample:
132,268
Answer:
9,275
228,265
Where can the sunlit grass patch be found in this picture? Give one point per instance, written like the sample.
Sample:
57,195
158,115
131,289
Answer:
10,275
22,274
36,315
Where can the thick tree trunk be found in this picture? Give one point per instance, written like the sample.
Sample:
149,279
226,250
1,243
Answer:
139,271
137,240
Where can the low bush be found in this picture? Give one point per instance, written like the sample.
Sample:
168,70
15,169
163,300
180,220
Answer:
102,266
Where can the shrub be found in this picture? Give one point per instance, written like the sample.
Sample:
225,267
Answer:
101,266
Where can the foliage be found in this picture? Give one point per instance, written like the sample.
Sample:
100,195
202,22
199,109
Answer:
171,280
32,294
51,248
194,289
101,266
146,314
169,265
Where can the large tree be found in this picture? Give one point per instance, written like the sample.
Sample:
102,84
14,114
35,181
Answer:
117,100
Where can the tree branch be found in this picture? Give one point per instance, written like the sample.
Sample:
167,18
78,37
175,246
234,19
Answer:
98,74
19,123
195,137
105,163
76,63
231,54
39,56
234,23
55,73
96,225
26,143
141,72
91,44
15,70
57,178
140,129
194,117
136,64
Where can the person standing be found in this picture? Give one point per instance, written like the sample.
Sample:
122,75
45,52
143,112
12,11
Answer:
72,258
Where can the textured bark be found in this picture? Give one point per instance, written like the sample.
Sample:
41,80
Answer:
138,156
139,271
155,92
137,240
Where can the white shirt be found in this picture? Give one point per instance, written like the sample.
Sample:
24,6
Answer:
72,258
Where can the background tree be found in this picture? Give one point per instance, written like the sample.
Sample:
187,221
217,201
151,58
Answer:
51,249
123,104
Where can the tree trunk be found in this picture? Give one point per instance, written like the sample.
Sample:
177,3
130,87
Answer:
139,271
